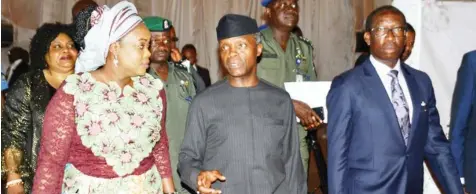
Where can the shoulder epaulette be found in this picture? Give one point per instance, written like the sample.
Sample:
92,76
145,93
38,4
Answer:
307,41
180,66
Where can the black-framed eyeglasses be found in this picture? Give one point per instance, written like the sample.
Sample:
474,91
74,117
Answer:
383,31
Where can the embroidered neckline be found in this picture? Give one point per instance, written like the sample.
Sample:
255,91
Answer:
121,126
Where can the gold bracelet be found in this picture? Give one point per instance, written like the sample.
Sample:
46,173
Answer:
9,171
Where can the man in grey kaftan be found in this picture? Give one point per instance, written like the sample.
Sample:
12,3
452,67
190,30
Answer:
248,134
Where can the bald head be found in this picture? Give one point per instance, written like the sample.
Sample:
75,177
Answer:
80,5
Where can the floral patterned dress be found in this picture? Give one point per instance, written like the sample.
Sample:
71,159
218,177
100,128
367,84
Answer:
98,138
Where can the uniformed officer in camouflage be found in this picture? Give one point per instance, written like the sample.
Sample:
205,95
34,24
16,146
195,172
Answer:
179,87
288,58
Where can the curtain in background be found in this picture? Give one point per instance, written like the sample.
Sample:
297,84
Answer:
329,24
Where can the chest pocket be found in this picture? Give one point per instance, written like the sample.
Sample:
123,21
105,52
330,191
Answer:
304,66
269,61
269,68
272,132
175,94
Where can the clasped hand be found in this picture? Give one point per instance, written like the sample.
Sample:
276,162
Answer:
309,118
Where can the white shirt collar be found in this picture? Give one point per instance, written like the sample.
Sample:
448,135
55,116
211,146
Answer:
383,69
12,68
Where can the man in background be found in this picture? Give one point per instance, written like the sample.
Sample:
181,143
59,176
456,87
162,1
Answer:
178,84
19,64
410,42
190,53
178,58
288,58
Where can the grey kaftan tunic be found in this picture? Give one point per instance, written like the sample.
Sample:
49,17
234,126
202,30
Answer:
249,135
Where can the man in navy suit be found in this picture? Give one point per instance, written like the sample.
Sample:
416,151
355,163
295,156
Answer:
190,53
383,120
463,122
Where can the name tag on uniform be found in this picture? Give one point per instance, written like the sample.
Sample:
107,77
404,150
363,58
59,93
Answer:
269,55
299,78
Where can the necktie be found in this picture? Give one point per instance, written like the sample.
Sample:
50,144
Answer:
400,105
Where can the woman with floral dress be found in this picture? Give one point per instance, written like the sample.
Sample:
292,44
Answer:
104,130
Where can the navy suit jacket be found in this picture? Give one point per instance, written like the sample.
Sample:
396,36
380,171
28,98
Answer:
205,74
366,150
463,121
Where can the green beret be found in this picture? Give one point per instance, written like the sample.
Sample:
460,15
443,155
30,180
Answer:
157,24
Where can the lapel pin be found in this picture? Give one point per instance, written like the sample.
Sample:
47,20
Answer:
423,105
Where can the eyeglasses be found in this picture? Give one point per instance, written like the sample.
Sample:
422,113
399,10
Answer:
283,5
382,31
292,5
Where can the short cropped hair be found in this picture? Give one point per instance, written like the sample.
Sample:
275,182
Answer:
370,19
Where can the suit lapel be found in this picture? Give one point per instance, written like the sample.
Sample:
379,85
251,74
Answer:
376,90
416,100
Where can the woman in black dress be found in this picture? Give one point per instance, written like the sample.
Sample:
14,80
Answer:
52,54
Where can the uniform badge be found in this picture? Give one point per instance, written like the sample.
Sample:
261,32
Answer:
300,76
186,94
307,41
299,57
